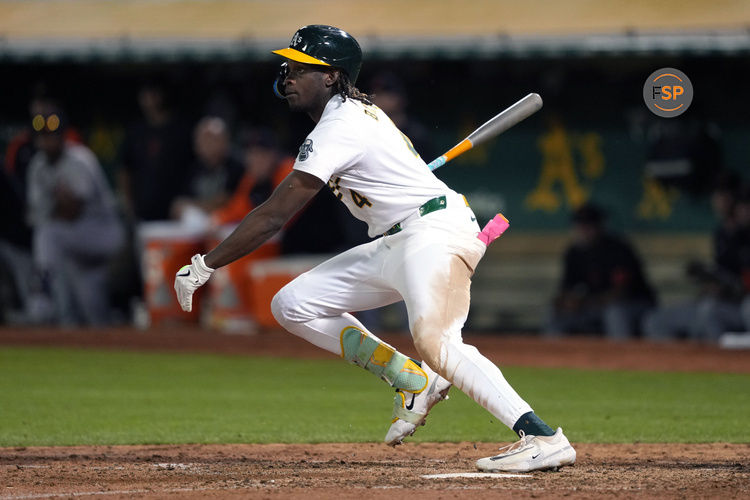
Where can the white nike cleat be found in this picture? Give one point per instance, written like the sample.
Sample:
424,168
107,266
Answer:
531,453
410,410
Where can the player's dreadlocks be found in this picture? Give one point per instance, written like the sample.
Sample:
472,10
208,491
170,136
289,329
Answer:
345,87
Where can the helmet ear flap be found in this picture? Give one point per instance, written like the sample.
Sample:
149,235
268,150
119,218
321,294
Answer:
278,84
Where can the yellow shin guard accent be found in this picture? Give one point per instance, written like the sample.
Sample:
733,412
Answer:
362,349
401,403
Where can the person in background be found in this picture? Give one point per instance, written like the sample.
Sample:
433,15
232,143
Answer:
76,229
603,287
156,154
154,161
15,233
717,308
732,312
214,175
389,94
743,216
265,166
22,145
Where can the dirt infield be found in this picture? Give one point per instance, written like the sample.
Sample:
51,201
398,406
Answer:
374,470
366,471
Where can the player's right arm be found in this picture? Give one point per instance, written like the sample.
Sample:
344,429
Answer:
297,189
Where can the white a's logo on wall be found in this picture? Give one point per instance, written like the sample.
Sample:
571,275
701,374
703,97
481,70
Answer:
296,39
305,150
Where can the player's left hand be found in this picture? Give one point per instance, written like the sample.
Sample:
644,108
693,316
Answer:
189,279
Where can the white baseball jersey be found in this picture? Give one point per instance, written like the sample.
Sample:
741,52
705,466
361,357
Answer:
368,164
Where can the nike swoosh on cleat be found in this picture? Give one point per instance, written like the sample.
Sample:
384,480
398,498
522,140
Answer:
533,457
506,455
187,273
411,404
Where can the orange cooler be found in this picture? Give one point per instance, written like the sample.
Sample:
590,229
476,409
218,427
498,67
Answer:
167,246
231,288
270,276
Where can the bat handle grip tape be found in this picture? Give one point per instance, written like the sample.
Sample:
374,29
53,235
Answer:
437,163
456,150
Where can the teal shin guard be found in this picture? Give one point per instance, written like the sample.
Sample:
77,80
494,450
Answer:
372,354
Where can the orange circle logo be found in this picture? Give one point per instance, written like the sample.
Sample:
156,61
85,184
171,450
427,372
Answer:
668,92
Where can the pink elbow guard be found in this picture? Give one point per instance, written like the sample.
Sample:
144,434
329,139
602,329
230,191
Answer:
493,229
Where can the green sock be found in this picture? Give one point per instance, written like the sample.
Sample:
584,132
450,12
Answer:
531,425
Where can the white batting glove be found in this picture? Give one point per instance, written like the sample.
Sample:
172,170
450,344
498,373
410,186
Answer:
189,279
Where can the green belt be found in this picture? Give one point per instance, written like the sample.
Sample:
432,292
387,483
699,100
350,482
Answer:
433,205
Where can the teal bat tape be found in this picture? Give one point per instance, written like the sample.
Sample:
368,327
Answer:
437,163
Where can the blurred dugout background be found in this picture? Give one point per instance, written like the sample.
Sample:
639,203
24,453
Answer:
452,65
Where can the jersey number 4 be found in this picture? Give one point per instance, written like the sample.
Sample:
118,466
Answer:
360,200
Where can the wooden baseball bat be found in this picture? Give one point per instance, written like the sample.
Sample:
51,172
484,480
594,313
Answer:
492,128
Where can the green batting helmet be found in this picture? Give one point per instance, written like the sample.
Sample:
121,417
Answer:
325,46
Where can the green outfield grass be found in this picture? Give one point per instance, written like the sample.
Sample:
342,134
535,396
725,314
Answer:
67,397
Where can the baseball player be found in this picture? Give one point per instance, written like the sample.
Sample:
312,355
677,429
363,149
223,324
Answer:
425,252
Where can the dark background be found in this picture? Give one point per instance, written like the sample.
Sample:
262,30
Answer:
586,95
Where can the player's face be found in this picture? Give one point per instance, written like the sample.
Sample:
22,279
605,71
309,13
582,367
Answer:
305,86
586,233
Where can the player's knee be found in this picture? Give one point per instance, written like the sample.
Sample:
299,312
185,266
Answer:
282,307
429,346
293,304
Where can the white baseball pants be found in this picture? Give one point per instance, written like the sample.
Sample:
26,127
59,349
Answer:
429,265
